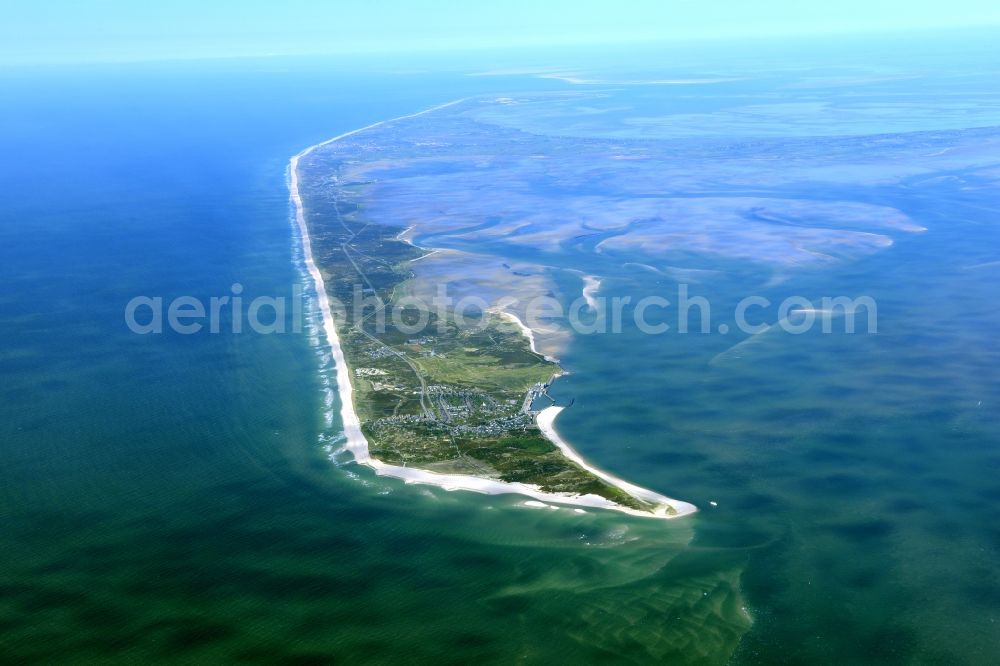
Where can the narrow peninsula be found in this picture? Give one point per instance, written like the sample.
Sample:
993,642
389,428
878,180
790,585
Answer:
458,401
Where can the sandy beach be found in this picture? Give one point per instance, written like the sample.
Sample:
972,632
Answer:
356,443
528,333
546,423
591,285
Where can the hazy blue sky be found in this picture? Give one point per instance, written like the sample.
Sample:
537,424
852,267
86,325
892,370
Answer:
66,30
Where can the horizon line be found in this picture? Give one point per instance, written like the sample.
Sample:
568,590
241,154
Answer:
437,50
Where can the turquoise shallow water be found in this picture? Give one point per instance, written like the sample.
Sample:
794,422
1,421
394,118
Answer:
167,497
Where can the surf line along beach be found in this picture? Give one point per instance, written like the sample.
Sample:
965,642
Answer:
357,444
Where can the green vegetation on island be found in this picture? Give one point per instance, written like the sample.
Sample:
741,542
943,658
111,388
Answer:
430,393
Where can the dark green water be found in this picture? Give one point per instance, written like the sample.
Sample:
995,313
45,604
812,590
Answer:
857,473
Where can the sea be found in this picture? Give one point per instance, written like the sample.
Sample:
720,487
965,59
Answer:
178,497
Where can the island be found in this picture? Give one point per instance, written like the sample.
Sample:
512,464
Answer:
457,400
